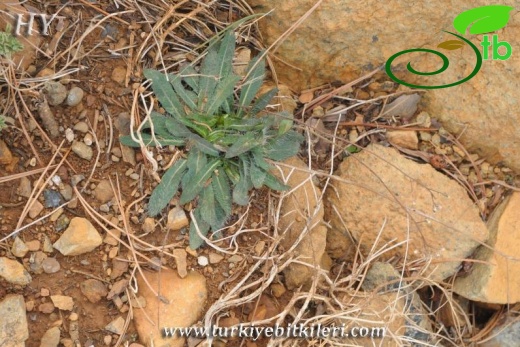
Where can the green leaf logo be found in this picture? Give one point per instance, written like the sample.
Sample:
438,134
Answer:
483,19
451,45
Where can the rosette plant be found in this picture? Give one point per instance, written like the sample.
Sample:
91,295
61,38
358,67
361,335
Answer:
214,115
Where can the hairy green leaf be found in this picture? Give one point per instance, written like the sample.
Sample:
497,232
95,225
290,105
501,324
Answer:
284,146
222,191
253,82
188,97
243,144
164,92
208,78
262,101
195,185
257,157
191,77
196,161
203,145
148,141
257,175
222,92
176,128
208,206
225,53
241,192
273,182
169,185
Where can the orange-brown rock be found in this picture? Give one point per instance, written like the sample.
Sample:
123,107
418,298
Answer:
496,277
385,201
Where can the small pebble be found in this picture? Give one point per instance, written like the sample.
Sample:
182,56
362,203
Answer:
202,261
82,127
55,92
56,180
52,198
104,208
75,96
69,135
134,176
82,150
88,139
51,265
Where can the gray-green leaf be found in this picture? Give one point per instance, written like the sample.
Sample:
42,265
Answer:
164,92
243,144
222,191
195,185
165,191
255,77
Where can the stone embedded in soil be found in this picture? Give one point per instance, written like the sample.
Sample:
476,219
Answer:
202,260
52,198
55,92
302,212
82,127
80,237
36,266
403,138
495,278
50,265
119,75
47,244
148,225
51,338
25,187
74,96
62,302
215,258
82,150
180,256
33,245
103,191
19,248
46,308
182,303
117,326
13,325
6,157
14,272
93,289
390,199
119,267
36,209
177,219
117,288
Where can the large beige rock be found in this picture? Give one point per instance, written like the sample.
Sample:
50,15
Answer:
497,280
302,210
384,199
342,40
13,325
80,237
180,305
